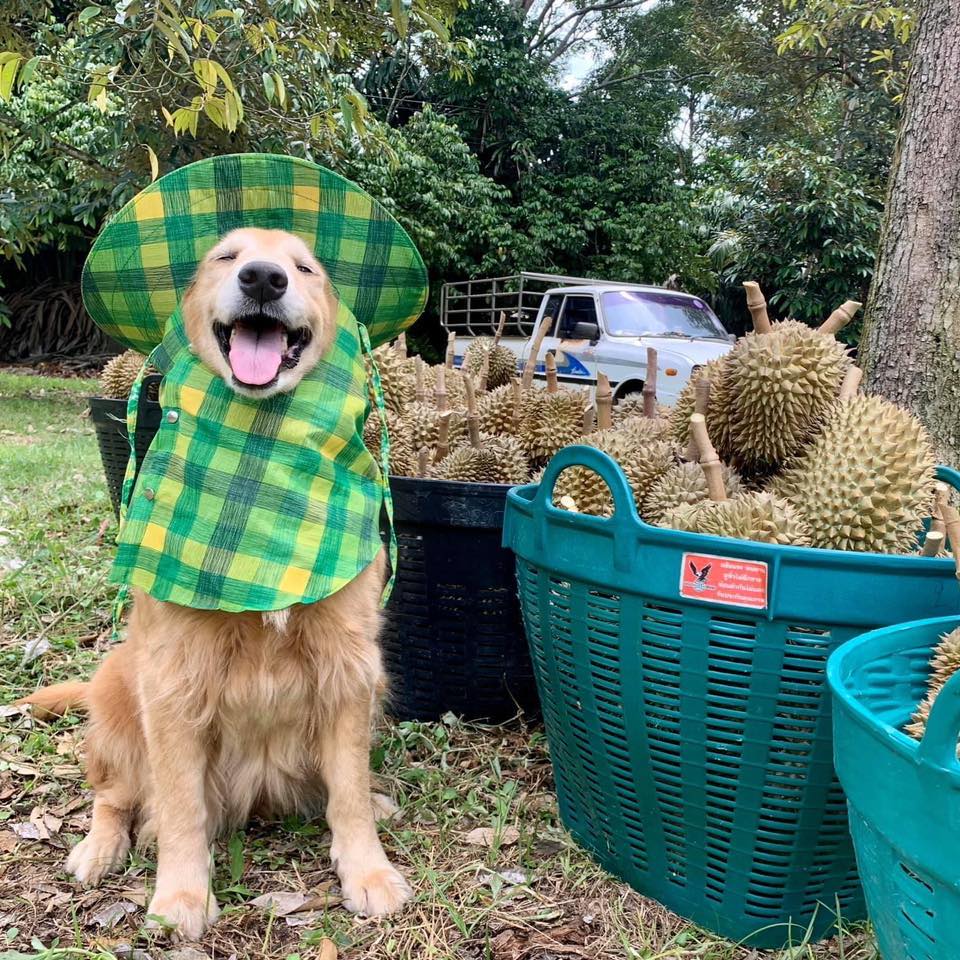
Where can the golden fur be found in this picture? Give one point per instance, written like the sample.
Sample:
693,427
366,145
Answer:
202,717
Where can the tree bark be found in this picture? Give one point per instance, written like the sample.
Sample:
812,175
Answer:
911,336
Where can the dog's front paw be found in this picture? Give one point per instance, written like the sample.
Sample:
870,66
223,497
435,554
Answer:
184,915
94,857
374,893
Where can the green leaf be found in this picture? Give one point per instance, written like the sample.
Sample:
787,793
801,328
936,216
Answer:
29,69
269,86
281,89
88,13
8,74
400,18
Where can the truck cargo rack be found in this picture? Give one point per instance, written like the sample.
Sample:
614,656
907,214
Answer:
473,307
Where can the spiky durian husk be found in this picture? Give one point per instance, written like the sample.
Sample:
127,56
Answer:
750,516
396,378
551,421
865,482
421,423
781,385
403,458
944,663
718,408
119,374
513,466
496,410
453,383
468,465
503,362
683,484
632,406
644,429
642,463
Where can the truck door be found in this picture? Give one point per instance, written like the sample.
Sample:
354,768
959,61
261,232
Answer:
573,340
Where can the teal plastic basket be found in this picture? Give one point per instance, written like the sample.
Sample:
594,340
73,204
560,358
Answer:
691,736
904,796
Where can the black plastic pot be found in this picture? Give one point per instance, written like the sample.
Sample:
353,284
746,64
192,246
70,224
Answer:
453,640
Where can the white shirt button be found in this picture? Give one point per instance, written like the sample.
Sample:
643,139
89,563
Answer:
172,416
149,493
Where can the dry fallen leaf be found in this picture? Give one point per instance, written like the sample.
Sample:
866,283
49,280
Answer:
280,903
30,831
487,836
112,913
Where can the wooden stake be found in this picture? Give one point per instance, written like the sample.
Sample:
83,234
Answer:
933,543
443,436
757,306
500,326
420,393
840,317
650,386
851,383
701,400
423,461
551,364
709,461
440,390
604,398
401,346
451,350
530,367
473,420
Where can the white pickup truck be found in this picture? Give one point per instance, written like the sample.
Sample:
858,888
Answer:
596,325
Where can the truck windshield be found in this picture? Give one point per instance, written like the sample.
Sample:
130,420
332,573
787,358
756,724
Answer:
648,313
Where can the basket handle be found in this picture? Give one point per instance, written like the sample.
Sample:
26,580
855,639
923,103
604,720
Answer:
624,519
938,748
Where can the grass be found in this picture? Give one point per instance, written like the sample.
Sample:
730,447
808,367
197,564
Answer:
531,895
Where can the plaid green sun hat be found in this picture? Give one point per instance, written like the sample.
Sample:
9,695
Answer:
144,259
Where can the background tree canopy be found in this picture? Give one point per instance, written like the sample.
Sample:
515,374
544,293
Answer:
713,140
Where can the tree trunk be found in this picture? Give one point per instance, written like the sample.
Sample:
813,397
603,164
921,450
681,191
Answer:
911,337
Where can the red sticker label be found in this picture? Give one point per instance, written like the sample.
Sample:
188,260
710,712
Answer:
739,583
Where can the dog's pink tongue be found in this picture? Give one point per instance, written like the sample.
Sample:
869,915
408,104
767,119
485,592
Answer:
255,357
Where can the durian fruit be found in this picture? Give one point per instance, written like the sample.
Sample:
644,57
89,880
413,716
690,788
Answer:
403,458
642,463
119,374
684,484
718,407
551,421
500,410
749,516
645,429
781,386
396,377
943,665
468,464
421,423
453,393
502,362
512,463
866,481
631,406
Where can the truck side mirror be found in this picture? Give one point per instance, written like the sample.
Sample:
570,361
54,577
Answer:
585,330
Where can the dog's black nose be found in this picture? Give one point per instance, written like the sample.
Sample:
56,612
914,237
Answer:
262,281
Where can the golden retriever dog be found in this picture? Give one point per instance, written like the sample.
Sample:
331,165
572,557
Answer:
201,718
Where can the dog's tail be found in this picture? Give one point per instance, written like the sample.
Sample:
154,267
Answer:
59,699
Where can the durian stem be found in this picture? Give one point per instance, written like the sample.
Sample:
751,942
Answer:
604,398
701,400
840,317
517,392
589,419
423,461
941,503
568,503
530,367
551,364
757,306
473,421
952,520
484,373
933,543
440,390
443,437
451,350
650,386
851,383
709,461
420,391
401,346
500,326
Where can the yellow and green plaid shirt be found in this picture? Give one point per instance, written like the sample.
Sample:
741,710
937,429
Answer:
250,504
